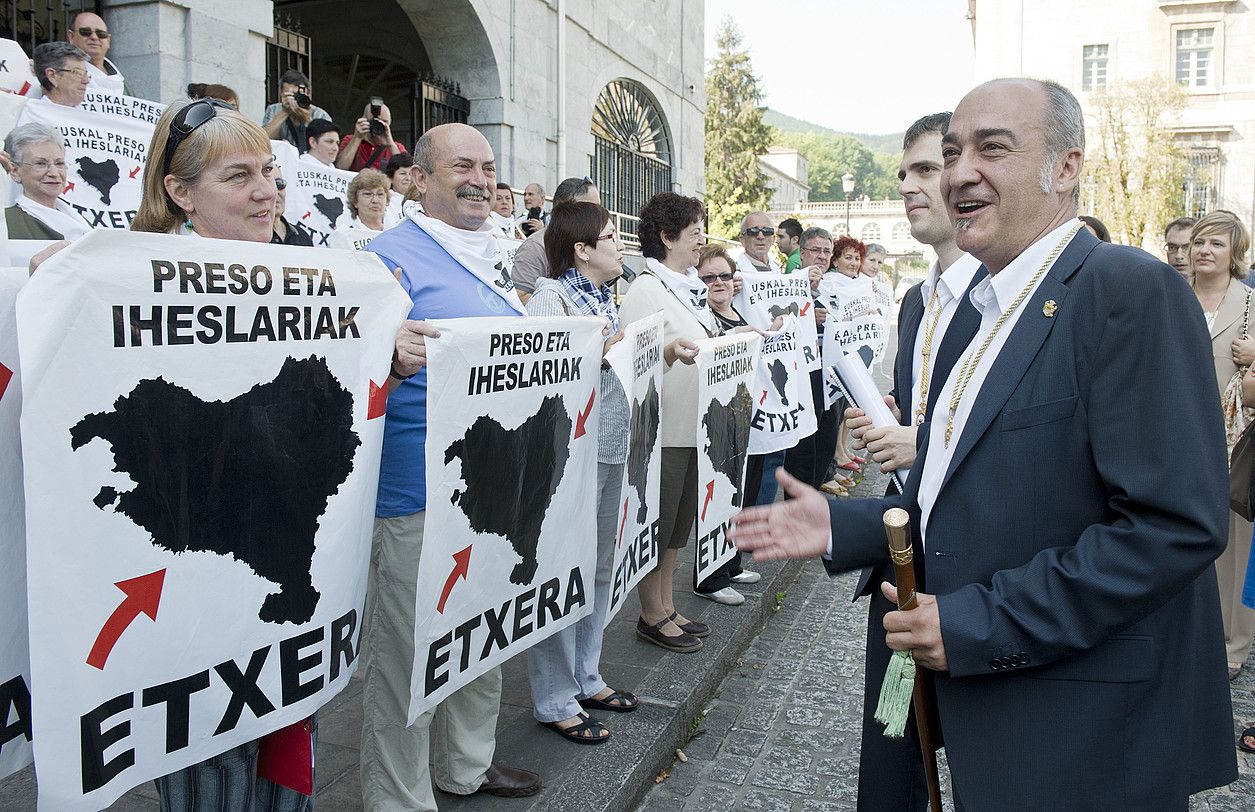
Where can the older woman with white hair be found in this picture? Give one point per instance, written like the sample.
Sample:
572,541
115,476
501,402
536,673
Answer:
39,169
62,73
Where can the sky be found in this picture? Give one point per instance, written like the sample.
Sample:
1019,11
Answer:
874,65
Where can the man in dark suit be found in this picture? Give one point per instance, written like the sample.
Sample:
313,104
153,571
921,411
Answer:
936,322
1067,608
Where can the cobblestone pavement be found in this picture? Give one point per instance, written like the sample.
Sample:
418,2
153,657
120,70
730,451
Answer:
783,734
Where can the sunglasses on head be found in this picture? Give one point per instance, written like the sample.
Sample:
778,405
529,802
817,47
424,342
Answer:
99,32
281,184
766,231
185,123
722,277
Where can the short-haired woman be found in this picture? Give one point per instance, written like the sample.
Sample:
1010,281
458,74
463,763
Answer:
368,200
62,73
39,169
670,233
1218,246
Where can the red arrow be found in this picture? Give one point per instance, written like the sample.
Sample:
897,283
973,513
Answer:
306,215
710,494
143,594
377,401
6,375
805,307
134,172
763,399
622,523
461,566
582,417
68,187
25,87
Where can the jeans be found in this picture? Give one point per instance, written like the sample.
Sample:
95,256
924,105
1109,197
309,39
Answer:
564,667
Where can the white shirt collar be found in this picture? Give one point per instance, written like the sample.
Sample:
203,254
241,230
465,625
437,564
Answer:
953,282
997,291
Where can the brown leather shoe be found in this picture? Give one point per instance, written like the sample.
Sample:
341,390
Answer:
682,643
509,782
693,627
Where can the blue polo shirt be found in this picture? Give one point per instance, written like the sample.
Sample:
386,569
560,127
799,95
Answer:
440,288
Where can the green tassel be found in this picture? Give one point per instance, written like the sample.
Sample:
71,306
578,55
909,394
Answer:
895,694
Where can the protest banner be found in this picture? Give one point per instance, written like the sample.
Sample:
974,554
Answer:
317,198
509,247
637,362
726,369
784,411
509,553
15,698
201,431
352,239
857,323
15,69
106,143
765,296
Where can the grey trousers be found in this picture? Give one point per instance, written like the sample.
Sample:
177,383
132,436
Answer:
451,745
565,667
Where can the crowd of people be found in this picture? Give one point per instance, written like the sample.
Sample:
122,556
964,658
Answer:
1099,544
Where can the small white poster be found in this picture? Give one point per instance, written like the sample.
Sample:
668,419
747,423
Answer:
509,545
784,411
857,322
317,198
727,369
638,364
764,297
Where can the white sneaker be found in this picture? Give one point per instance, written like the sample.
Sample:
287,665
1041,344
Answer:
727,596
746,577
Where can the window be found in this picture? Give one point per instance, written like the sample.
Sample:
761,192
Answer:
901,232
1195,47
1201,180
1093,67
871,233
632,148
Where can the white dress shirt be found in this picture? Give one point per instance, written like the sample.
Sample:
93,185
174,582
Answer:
949,285
991,296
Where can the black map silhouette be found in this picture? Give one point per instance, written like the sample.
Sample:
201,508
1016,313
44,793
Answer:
102,176
645,417
775,311
728,433
511,476
329,207
779,378
246,478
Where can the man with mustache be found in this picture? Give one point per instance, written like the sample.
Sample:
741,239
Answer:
1067,607
444,258
936,321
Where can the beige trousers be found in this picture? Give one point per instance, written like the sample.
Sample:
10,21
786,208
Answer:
1239,621
452,744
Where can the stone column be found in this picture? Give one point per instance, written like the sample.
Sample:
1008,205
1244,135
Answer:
163,45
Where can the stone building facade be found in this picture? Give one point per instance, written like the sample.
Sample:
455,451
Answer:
560,88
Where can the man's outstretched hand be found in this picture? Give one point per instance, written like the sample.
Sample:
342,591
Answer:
798,527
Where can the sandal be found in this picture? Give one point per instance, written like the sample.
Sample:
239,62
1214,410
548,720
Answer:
1248,733
586,732
615,702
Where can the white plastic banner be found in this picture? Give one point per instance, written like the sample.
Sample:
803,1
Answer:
857,323
509,542
637,362
765,296
726,368
202,423
352,239
15,69
317,198
15,697
784,411
106,143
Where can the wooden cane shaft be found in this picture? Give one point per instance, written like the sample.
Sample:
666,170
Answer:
898,530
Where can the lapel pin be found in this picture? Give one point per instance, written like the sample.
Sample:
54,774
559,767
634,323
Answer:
1049,308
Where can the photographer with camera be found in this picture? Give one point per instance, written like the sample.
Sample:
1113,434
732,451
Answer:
286,119
370,144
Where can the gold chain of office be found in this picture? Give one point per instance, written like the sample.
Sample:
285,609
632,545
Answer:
930,327
973,361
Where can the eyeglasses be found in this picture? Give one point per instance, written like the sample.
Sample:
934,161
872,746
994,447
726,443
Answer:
374,194
186,122
722,277
42,165
88,31
766,231
281,184
611,236
1171,248
823,251
79,72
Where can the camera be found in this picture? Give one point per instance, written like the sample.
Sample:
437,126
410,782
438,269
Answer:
302,99
376,108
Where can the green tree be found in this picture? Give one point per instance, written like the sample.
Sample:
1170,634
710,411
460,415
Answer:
735,135
1135,170
830,156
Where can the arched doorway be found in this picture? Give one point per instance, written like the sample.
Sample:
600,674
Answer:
632,147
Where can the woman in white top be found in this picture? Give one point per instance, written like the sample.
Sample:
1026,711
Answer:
368,199
39,169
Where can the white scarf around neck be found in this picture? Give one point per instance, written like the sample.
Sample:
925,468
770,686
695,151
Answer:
690,290
477,251
62,219
746,265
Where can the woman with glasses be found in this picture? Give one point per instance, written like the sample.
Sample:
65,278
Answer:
62,72
39,169
670,232
368,200
286,233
